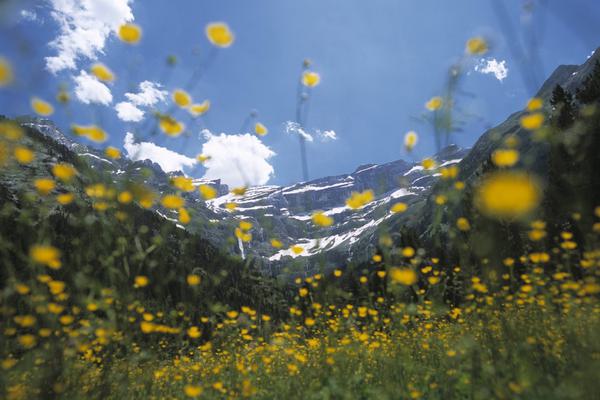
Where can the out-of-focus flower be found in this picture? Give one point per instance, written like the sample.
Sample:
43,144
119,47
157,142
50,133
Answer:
310,79
463,224
182,98
172,201
359,199
199,109
170,125
219,34
6,72
509,195
476,46
260,129
319,218
505,158
23,155
41,107
44,185
141,281
184,216
112,152
207,192
403,276
410,140
532,121
428,163
63,171
534,104
296,249
276,243
92,132
399,207
102,72
435,103
46,255
202,158
130,33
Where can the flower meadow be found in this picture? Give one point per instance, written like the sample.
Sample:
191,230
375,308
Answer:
100,297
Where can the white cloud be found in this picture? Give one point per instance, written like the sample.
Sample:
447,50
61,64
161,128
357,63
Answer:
128,112
84,26
88,89
327,135
28,15
168,160
148,95
295,128
237,159
493,66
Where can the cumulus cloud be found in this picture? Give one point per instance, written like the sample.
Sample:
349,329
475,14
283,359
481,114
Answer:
295,129
237,159
148,95
168,160
84,26
492,66
88,89
128,112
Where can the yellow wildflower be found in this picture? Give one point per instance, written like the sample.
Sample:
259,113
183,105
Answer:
435,103
399,207
476,46
508,194
65,198
403,276
112,152
24,155
141,281
171,126
184,216
63,171
172,201
219,34
102,72
505,158
276,243
319,218
532,121
207,192
260,129
41,107
410,140
6,72
130,33
193,280
44,185
182,98
199,109
310,79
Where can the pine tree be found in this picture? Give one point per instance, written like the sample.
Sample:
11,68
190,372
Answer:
563,109
590,87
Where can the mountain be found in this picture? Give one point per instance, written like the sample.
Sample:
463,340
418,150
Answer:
284,213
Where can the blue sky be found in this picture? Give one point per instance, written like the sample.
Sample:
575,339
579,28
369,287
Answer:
379,62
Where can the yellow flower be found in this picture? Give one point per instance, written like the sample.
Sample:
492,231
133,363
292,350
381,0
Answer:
207,192
41,107
428,163
125,197
463,224
171,126
360,199
66,319
130,33
532,121
202,158
102,72
534,104
10,130
408,252
239,191
231,206
310,79
62,96
141,281
276,243
44,185
508,194
399,207
63,171
219,34
22,289
6,73
183,183
24,155
65,198
172,201
260,129
403,276
193,280
450,172
337,273
320,219
56,287
410,140
182,98
476,46
505,158
296,249
309,321
45,254
192,390
27,341
184,216
199,109
112,152
440,199
92,132
194,332
435,103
